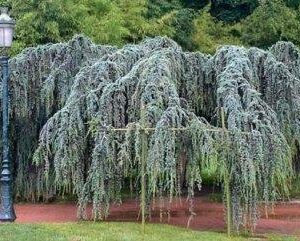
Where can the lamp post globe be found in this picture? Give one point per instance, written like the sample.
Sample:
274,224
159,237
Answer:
7,24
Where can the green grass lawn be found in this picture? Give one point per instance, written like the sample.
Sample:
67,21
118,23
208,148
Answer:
110,232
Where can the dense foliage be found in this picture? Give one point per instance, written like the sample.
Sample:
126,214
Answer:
280,22
186,21
93,120
232,10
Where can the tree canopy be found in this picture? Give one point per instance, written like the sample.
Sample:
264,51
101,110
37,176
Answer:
93,120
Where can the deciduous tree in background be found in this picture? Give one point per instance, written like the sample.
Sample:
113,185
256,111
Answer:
270,22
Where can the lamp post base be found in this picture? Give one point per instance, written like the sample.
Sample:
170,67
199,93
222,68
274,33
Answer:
7,212
7,216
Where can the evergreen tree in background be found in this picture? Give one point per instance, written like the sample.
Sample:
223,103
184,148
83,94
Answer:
232,10
195,4
293,3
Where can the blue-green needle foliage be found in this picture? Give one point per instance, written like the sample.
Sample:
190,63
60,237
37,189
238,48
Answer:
69,101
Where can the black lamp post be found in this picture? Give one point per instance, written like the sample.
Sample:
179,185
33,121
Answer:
7,213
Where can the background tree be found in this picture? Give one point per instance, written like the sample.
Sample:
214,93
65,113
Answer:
194,24
114,22
210,33
158,8
293,3
180,19
43,21
184,27
232,10
195,4
279,23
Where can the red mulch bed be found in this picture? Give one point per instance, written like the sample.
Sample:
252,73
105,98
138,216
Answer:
210,216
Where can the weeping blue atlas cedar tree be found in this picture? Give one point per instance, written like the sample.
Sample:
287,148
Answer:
93,120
